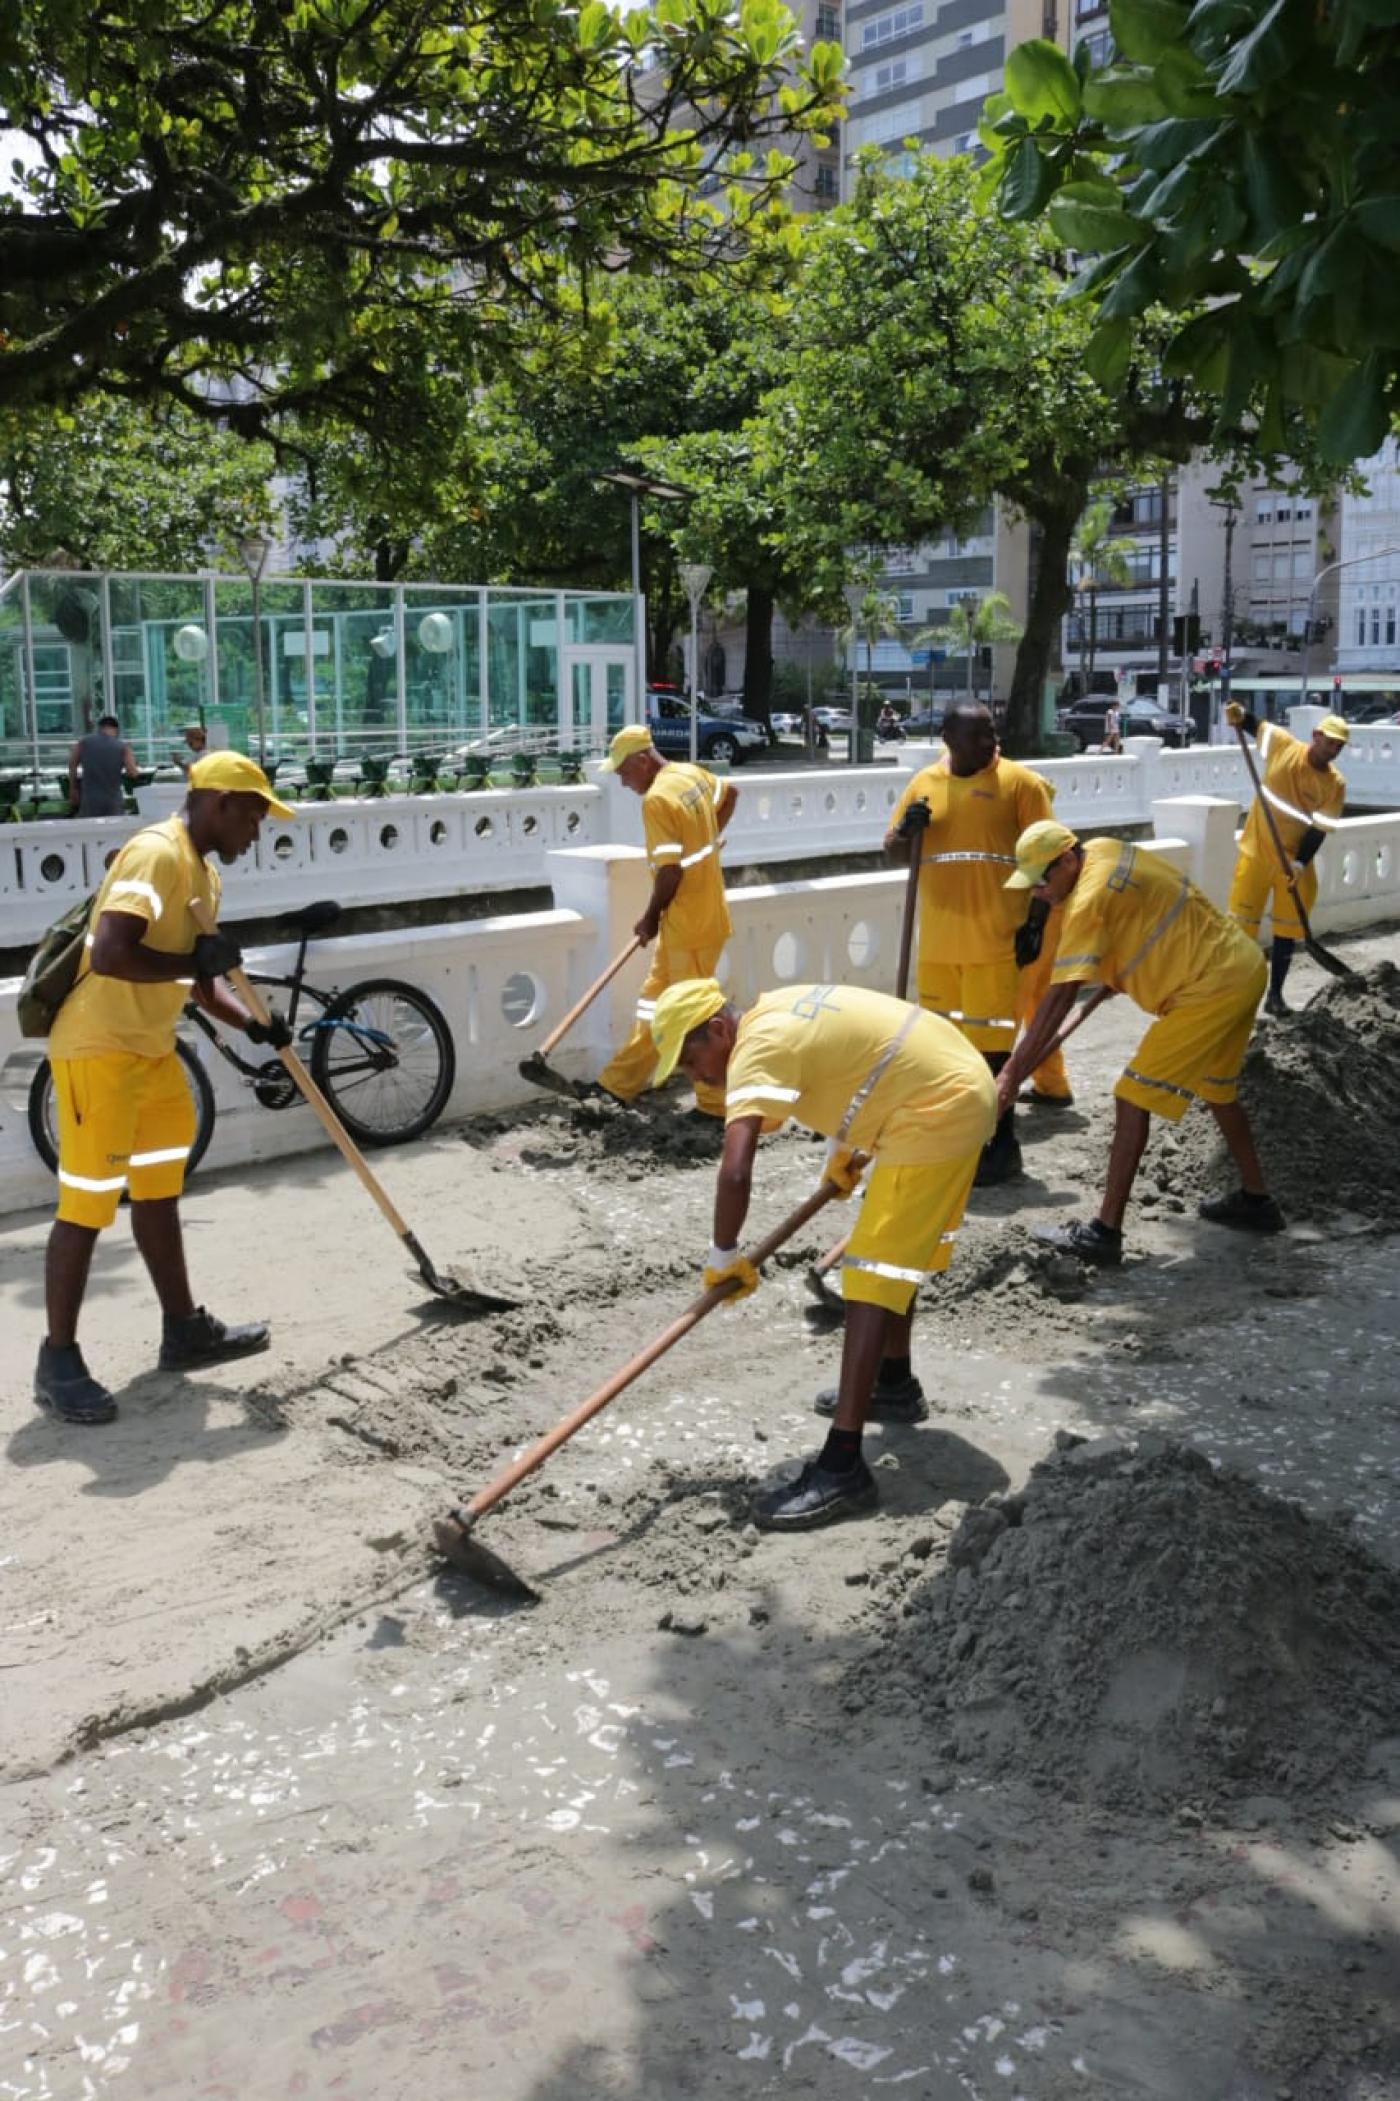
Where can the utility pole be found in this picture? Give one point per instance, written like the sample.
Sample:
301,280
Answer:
1164,606
1227,611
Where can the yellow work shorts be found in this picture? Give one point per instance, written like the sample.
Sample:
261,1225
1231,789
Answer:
1195,1051
908,1221
123,1122
1256,884
978,998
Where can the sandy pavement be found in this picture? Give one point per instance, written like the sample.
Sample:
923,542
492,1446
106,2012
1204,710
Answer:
643,1839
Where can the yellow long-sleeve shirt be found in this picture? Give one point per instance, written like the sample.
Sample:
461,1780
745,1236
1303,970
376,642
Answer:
678,823
966,916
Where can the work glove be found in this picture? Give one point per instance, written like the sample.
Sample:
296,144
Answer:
1234,713
216,954
843,1169
273,1031
914,821
724,1262
1031,933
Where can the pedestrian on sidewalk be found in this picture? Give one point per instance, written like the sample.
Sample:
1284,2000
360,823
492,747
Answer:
125,1116
878,1077
97,766
1134,923
1306,796
684,811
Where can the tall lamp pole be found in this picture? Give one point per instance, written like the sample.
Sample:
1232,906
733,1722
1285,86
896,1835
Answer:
854,595
695,579
1350,563
638,485
254,550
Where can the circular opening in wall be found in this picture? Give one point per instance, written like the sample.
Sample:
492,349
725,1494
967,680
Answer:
283,846
339,840
53,868
862,944
572,821
788,957
437,832
529,825
388,836
484,827
1351,868
522,999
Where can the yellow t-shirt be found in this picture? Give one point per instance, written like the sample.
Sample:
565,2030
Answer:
678,820
153,877
810,1050
1134,922
965,913
1298,794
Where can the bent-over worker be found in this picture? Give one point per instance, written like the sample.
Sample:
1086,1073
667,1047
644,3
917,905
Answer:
684,811
877,1077
1134,923
1305,794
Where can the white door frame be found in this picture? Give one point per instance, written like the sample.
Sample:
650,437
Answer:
600,658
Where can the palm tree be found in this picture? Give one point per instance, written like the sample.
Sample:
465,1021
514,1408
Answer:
1099,557
876,615
970,625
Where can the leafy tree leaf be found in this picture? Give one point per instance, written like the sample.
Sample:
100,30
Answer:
1041,82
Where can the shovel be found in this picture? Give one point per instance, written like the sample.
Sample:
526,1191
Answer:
535,1068
444,1284
454,1534
1332,964
825,1294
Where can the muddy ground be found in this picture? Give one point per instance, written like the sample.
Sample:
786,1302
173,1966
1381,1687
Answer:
288,1813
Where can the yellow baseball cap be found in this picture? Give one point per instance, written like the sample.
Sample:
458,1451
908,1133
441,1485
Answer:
1039,845
625,745
1333,726
230,773
680,1009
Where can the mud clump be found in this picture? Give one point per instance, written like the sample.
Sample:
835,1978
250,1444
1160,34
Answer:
1320,1091
1139,1628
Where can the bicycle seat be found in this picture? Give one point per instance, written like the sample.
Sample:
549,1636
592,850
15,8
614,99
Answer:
314,919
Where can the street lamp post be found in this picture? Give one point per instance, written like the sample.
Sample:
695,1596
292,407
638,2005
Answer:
637,486
254,550
1350,562
695,578
854,595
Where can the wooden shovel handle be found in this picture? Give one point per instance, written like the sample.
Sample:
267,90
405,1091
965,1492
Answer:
335,1130
557,1034
1289,873
911,906
486,1498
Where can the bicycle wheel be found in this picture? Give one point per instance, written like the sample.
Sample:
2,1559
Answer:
383,1053
43,1110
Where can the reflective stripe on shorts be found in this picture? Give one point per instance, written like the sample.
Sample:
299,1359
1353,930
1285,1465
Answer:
1163,1086
159,1159
95,1188
892,1270
975,1021
1001,860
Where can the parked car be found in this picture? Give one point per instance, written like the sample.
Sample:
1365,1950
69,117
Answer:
717,736
925,726
1138,718
838,719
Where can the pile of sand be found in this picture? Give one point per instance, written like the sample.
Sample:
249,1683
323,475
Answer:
1137,1626
1321,1094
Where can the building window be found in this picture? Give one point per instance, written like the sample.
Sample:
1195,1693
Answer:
1361,627
829,25
1390,627
1263,514
904,608
901,561
1085,10
901,122
1375,627
964,142
1261,566
892,74
898,21
1097,48
826,185
964,39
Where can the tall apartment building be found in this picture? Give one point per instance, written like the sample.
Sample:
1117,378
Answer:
1368,547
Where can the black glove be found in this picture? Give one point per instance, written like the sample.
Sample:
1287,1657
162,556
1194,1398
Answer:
216,954
1308,846
1031,933
273,1031
914,821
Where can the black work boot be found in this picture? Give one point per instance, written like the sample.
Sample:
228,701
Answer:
1088,1239
202,1339
66,1389
1245,1212
818,1496
891,1401
1001,1157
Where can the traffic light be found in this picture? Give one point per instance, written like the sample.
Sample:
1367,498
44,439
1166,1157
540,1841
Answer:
1186,634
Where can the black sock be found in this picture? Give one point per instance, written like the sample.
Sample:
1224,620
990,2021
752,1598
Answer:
841,1451
1280,956
894,1371
1096,1225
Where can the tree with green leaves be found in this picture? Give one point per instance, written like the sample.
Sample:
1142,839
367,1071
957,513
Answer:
270,195
1099,557
1239,165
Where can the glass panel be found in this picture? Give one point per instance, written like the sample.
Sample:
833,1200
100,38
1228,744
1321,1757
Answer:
617,695
357,681
162,668
583,704
442,652
599,619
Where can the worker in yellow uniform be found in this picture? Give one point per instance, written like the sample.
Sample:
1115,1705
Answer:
1037,939
684,811
126,1118
1305,794
1134,923
963,815
879,1078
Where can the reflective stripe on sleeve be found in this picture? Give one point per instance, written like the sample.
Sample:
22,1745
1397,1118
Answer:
159,1159
96,1188
1073,962
132,886
1288,809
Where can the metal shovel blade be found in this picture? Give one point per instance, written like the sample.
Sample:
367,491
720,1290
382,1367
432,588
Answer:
451,1288
825,1294
454,1539
1330,963
539,1074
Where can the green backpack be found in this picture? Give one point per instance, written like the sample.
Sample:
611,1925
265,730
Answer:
53,969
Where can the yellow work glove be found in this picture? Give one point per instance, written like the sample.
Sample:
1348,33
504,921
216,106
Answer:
724,1262
1234,713
843,1169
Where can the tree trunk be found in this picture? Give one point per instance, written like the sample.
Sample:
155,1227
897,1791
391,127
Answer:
758,654
1050,599
1093,636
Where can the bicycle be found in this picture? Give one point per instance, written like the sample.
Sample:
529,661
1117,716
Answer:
380,1051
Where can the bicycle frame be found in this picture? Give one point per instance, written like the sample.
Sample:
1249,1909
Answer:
296,984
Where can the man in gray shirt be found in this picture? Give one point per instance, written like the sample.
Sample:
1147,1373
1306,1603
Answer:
102,759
